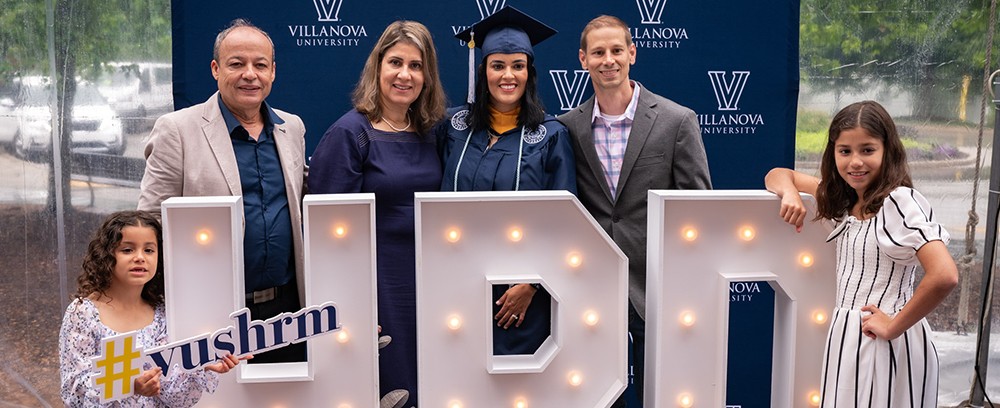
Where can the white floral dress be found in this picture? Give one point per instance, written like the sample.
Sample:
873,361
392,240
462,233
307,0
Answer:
79,340
876,259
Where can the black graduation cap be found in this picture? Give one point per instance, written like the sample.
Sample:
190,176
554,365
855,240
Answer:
508,31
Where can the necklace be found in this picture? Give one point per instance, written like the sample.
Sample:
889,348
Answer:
387,122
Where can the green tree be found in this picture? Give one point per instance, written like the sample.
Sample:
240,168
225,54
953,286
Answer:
68,40
22,38
923,45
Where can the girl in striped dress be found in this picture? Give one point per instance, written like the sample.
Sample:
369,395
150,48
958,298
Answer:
879,351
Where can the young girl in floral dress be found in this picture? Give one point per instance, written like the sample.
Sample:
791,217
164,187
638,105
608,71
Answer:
121,290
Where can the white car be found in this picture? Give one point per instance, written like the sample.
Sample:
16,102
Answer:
138,91
26,121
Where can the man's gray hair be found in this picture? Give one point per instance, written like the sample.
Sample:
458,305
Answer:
238,23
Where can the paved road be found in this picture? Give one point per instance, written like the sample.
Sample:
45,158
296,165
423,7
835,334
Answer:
24,182
952,201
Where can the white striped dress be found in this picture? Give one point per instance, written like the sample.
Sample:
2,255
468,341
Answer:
876,258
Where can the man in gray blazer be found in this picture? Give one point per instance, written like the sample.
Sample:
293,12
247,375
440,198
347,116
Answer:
235,144
628,140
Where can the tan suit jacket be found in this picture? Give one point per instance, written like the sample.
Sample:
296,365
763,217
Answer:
189,153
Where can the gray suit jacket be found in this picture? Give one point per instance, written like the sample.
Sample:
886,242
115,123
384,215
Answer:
664,151
189,153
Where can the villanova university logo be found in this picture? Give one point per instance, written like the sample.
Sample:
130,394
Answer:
330,31
327,10
728,92
569,91
486,7
728,88
651,33
651,10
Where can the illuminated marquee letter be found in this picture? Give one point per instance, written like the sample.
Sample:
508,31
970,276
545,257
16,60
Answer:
468,241
700,242
203,254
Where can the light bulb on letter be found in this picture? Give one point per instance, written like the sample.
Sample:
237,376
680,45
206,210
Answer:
591,318
515,234
819,317
574,259
203,237
747,233
815,399
685,400
806,259
687,319
339,231
453,235
343,336
689,234
454,322
574,378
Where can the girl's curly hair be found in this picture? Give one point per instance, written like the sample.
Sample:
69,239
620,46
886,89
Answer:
99,262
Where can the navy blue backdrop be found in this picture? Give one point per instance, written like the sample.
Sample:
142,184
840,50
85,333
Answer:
735,63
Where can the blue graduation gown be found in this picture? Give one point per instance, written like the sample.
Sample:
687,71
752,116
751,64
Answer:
545,157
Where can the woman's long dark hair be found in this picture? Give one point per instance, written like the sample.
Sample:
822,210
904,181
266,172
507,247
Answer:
834,197
99,262
532,111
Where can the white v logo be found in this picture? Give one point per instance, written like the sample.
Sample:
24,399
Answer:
651,10
488,7
727,93
327,10
570,92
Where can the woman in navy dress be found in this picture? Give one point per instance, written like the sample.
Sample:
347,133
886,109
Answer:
384,146
504,141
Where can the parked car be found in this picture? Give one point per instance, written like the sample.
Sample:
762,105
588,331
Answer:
26,120
138,91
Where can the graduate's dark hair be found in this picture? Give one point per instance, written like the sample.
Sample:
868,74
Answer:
834,197
532,111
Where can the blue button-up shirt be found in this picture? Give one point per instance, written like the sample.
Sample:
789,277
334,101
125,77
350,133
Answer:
267,239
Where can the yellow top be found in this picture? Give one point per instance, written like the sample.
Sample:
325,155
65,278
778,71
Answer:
503,121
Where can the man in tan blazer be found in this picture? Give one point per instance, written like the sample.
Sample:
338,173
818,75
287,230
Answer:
235,144
627,141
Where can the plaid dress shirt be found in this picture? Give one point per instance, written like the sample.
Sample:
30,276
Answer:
611,137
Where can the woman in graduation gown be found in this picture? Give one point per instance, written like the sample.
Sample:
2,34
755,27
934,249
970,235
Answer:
503,141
